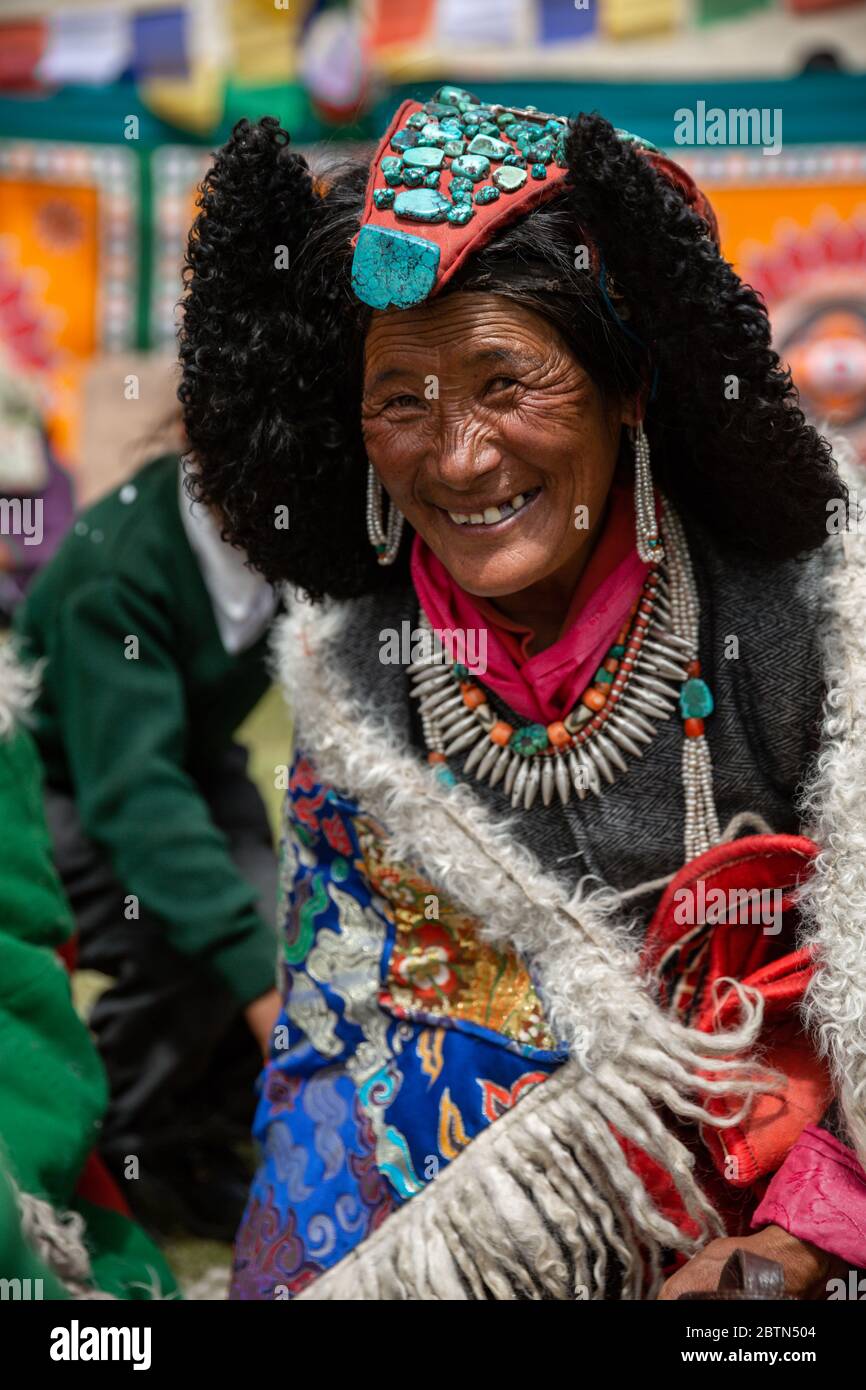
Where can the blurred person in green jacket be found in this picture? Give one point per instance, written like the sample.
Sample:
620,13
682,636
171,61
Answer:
64,1229
153,635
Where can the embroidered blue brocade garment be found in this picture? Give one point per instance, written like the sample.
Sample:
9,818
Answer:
402,1036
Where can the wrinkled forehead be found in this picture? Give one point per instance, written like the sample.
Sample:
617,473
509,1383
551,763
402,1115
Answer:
455,332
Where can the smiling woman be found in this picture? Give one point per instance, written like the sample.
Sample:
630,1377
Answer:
510,387
514,418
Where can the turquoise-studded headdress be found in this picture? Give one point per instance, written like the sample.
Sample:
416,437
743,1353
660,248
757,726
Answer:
450,173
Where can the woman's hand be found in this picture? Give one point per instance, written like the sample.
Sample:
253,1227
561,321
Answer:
807,1269
261,1016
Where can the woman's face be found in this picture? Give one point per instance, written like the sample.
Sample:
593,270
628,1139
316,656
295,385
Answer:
488,435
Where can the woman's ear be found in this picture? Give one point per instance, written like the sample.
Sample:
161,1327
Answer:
634,407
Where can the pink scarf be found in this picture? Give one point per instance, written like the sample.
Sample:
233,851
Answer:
544,687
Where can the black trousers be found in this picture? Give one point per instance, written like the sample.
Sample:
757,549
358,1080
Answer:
181,1061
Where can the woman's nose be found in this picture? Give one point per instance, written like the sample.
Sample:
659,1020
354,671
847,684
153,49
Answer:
464,458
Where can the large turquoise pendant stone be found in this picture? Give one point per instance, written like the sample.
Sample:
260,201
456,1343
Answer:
421,205
394,268
696,700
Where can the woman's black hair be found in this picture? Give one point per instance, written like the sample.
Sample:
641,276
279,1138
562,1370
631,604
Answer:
272,338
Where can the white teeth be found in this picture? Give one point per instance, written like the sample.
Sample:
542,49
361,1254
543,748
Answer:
491,514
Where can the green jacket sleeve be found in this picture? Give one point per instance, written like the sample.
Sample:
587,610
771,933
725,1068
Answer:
126,730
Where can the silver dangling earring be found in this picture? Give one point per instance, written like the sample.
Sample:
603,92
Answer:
649,545
385,540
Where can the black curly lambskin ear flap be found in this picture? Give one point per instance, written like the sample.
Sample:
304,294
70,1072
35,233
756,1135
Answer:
625,203
265,354
725,411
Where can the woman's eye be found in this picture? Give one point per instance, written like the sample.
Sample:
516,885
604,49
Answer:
502,383
402,402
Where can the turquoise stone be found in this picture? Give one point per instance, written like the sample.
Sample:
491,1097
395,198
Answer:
517,160
514,130
467,105
446,776
602,676
509,179
460,185
531,739
433,134
418,120
461,214
383,197
392,267
470,119
392,165
485,144
618,650
488,128
696,700
437,110
452,96
404,140
460,195
394,179
487,194
421,205
539,171
471,166
504,119
554,127
450,128
413,178
425,157
637,140
432,180
454,147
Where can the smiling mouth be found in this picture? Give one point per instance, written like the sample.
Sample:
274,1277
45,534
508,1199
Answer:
494,516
